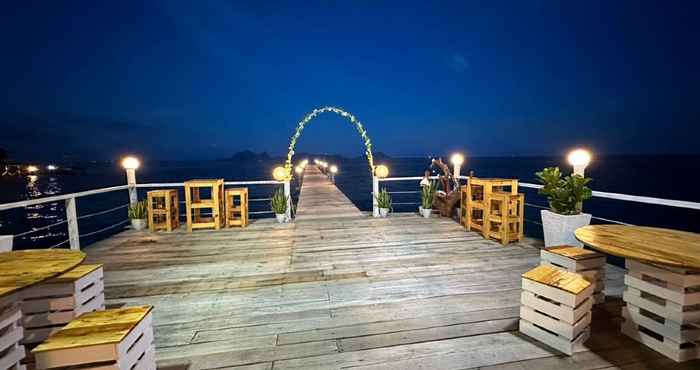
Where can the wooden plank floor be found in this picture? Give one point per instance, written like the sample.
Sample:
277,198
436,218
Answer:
320,199
347,292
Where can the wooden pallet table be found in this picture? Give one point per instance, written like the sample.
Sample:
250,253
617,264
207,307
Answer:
50,305
163,210
20,270
588,263
662,285
236,214
194,204
484,202
117,339
556,308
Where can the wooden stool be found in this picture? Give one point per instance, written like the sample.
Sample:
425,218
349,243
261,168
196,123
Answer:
237,215
11,349
556,308
163,210
47,307
476,201
663,309
111,339
194,204
587,263
506,217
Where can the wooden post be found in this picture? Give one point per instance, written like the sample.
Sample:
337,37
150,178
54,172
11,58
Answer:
375,192
72,220
288,195
131,182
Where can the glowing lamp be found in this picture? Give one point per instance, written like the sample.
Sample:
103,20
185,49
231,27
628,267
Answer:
381,171
51,167
130,163
334,169
579,159
279,174
32,169
457,159
299,169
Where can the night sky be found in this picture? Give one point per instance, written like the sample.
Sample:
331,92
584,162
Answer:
204,79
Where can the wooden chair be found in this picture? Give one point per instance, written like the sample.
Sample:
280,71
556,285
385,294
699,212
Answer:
111,339
163,210
556,308
237,215
588,263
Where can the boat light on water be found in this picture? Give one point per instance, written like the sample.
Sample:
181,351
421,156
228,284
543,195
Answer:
32,169
51,167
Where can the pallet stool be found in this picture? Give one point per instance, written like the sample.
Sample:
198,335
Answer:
194,204
556,308
47,307
117,339
163,210
663,309
11,349
506,216
237,215
582,261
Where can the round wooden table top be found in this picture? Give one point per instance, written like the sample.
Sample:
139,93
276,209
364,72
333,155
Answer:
646,244
22,269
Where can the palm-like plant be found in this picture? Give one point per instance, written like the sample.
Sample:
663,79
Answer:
427,195
384,199
138,211
279,202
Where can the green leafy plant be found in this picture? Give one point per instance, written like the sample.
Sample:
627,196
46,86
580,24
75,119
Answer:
565,194
279,202
383,199
427,194
138,211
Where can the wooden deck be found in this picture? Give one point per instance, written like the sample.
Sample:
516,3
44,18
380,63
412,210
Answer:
320,199
346,292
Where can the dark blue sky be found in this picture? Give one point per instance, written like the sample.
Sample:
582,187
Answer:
203,79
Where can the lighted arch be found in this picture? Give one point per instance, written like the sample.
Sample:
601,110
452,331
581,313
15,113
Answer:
341,112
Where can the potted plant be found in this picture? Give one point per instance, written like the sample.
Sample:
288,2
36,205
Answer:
383,202
279,204
565,196
427,195
137,214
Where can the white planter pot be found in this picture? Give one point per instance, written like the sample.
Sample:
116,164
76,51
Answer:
138,224
560,229
281,217
383,212
6,243
426,212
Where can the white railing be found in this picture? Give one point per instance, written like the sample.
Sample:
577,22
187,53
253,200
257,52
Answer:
72,218
596,194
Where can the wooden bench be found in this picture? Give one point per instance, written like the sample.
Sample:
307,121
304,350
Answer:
11,349
119,339
49,306
556,308
588,263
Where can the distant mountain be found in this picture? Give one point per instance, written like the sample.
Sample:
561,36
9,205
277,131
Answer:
248,155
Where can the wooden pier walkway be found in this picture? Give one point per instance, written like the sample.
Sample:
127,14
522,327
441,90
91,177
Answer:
346,291
320,199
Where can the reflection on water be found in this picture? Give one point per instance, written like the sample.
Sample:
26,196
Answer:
41,215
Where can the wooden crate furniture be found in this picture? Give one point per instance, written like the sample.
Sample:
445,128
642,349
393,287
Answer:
113,339
237,214
163,210
663,309
585,262
486,207
11,332
556,308
194,204
47,307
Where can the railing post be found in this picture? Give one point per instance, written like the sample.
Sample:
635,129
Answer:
72,220
288,195
375,191
131,182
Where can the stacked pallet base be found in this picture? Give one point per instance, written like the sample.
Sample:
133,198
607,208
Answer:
11,350
587,263
663,309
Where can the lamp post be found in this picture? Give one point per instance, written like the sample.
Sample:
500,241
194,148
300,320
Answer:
334,170
457,160
579,159
130,164
380,172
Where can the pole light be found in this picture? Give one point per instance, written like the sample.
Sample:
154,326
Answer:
130,164
299,170
279,174
381,171
579,159
32,169
457,160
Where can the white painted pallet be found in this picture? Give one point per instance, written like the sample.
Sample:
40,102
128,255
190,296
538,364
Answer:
663,310
135,351
47,307
592,268
557,342
11,332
